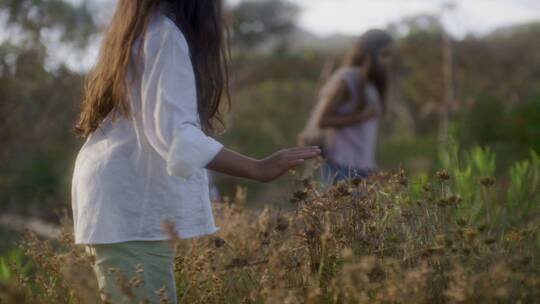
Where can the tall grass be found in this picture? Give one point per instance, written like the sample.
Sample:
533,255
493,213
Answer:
457,236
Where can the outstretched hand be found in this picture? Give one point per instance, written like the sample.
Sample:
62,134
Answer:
264,170
282,161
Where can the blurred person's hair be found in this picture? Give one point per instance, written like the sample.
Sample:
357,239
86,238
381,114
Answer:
204,28
366,47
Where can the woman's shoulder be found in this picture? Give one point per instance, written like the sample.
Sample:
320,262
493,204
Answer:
346,74
350,72
335,82
161,29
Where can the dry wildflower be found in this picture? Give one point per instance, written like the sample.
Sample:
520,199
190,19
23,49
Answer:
514,236
307,182
342,189
461,222
314,295
460,290
367,263
454,199
470,234
162,294
442,175
402,178
139,268
356,181
237,263
490,241
483,228
443,202
519,260
219,242
135,282
440,239
436,249
334,247
487,181
347,253
299,196
282,224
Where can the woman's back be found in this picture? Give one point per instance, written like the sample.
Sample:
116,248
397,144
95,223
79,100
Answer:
121,189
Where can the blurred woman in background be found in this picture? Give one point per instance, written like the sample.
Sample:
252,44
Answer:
346,119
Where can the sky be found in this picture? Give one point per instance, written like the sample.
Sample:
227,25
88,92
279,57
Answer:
479,17
325,17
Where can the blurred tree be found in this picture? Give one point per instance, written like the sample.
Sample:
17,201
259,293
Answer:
255,22
38,104
418,66
75,22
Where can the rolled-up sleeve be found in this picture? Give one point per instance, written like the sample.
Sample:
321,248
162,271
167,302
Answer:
169,104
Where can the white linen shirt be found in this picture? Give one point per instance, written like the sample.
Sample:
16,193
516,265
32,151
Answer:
131,174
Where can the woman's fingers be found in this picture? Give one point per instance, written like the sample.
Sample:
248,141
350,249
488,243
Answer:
299,155
304,155
315,149
302,149
293,157
299,159
294,163
302,152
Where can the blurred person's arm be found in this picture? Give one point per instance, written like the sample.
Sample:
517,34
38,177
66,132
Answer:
331,119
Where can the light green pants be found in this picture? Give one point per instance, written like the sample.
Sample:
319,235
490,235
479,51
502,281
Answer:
148,265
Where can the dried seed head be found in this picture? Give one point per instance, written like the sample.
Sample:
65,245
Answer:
356,181
440,239
461,222
219,242
443,175
443,202
282,224
470,234
307,182
487,181
483,228
455,199
490,241
347,253
298,196
402,178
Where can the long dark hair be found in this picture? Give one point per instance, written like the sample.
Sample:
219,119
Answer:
203,26
367,47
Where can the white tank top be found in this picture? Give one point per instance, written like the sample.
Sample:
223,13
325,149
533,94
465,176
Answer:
354,146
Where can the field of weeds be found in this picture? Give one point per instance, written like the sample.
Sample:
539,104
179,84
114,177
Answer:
457,236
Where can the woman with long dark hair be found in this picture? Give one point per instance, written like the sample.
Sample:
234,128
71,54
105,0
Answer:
151,104
351,103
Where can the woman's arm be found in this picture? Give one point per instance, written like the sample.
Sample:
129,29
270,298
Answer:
265,170
329,118
170,117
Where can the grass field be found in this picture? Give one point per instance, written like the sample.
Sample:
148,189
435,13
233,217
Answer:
458,236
